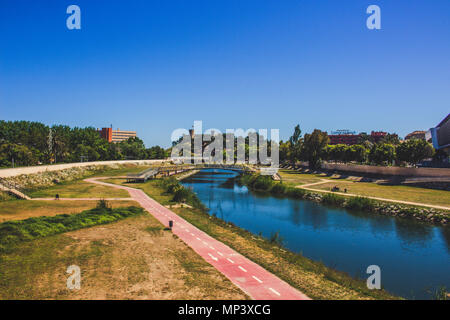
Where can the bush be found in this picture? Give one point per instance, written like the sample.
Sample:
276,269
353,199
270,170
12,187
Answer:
360,203
181,194
279,188
296,193
263,183
333,199
103,204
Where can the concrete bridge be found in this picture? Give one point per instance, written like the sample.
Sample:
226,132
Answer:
165,171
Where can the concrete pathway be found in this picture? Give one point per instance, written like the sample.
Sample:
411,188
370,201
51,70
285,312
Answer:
251,278
307,187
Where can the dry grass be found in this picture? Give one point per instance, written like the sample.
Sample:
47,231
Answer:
297,178
22,209
368,189
131,259
79,189
404,193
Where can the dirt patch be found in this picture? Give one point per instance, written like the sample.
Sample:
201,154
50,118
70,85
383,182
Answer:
131,259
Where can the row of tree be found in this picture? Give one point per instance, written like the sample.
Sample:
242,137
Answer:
315,148
25,143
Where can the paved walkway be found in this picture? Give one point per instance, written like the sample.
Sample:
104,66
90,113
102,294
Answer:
251,278
307,187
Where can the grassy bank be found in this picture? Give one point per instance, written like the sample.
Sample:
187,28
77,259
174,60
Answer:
365,189
313,278
15,232
267,184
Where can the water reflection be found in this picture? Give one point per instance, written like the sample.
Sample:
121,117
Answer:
413,233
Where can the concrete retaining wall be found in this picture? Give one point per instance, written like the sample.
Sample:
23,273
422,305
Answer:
5,173
388,171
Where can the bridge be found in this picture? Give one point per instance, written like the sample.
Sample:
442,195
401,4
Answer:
165,171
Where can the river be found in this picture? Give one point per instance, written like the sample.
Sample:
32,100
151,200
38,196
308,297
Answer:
414,257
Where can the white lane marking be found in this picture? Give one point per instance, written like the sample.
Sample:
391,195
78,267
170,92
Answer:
230,260
198,239
211,247
220,253
212,257
192,234
242,269
275,291
187,230
205,243
257,279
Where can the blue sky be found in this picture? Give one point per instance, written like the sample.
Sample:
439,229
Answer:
154,66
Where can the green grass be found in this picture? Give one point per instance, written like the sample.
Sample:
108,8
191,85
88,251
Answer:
14,232
369,189
124,170
403,193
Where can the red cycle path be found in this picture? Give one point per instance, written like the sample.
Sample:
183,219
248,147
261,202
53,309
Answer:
251,278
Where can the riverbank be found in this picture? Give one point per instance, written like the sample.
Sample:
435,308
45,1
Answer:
312,278
266,184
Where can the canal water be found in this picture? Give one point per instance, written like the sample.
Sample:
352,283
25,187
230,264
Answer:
414,258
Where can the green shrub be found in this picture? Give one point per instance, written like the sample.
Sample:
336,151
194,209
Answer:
181,193
279,188
360,203
262,183
103,204
333,199
296,193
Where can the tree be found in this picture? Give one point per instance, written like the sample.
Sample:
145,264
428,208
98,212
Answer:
414,150
314,148
284,150
133,148
156,152
21,155
382,153
357,153
363,137
295,142
391,138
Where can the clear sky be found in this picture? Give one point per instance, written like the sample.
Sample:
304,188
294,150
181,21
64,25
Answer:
154,66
